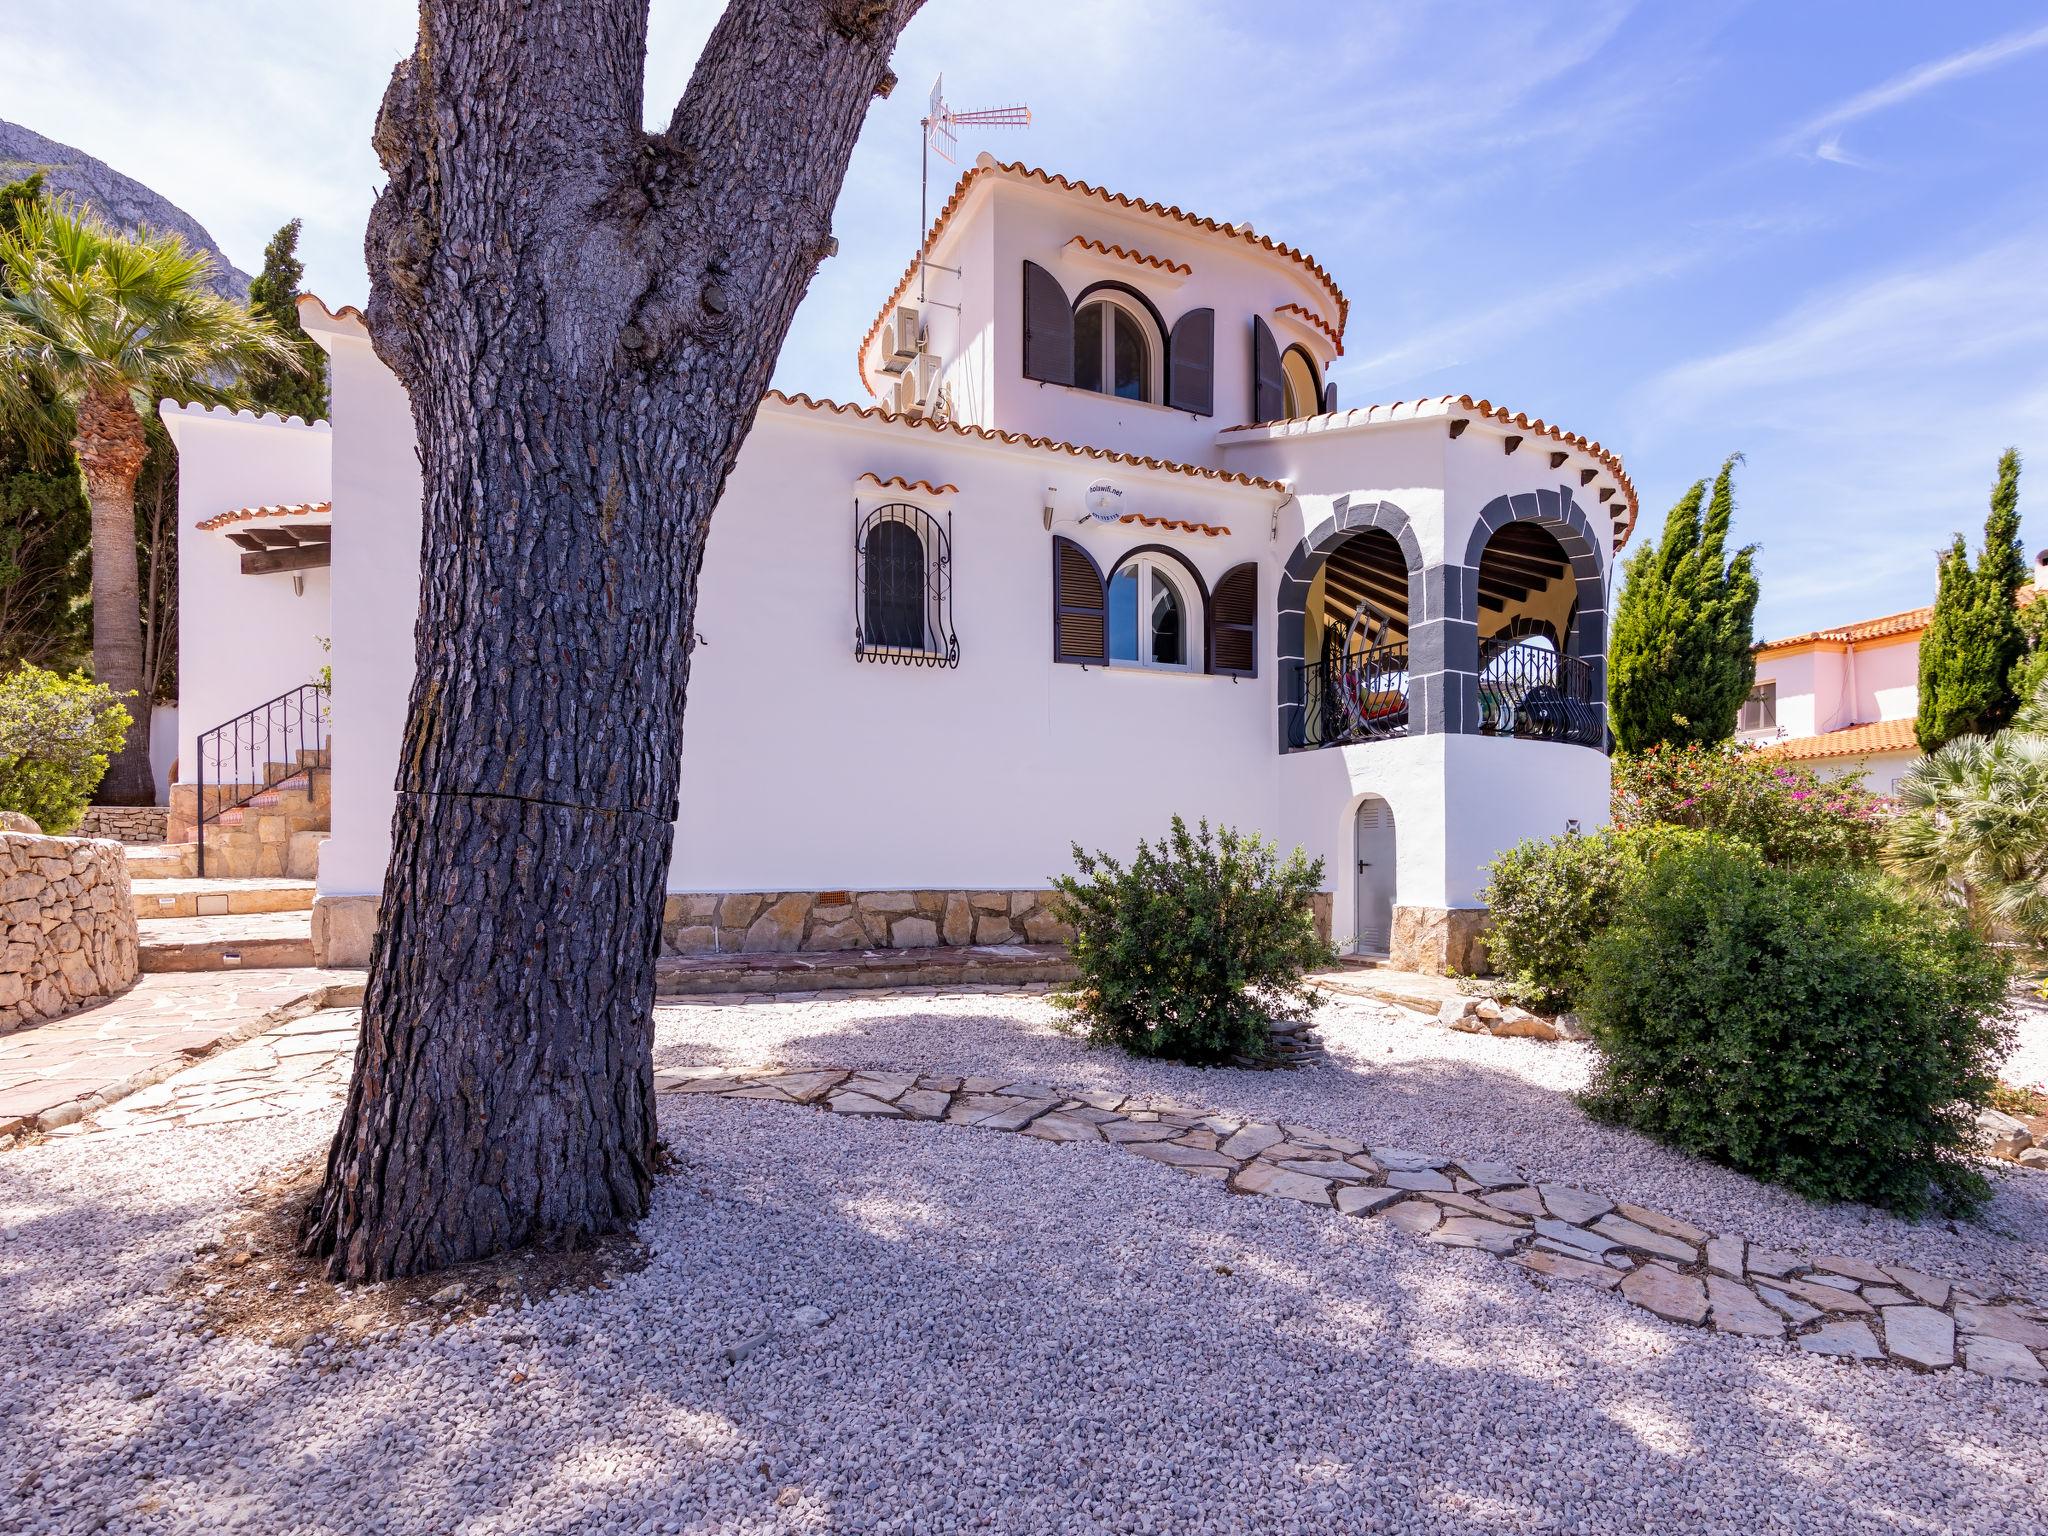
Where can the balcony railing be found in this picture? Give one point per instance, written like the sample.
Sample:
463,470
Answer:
1529,690
1360,696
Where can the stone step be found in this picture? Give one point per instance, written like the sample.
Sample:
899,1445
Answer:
245,941
162,861
862,969
156,900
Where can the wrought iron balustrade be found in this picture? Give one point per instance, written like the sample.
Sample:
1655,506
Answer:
1361,695
1529,690
255,752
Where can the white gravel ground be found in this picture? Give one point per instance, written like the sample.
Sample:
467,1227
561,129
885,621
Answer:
1024,1337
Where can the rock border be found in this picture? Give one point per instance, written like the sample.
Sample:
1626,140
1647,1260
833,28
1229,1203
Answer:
1830,1304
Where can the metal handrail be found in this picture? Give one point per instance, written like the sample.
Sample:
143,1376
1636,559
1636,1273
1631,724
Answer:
1361,695
295,721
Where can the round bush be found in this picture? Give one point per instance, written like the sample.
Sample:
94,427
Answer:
1804,1025
1193,948
56,734
1547,898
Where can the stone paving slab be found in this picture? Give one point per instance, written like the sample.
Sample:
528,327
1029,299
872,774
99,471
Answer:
1825,1304
241,940
155,899
54,1073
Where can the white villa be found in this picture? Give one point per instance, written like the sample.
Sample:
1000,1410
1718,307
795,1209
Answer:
1104,549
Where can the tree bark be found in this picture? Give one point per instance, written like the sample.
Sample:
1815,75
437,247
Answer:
585,316
111,444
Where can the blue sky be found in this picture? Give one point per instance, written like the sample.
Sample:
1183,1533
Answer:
1815,233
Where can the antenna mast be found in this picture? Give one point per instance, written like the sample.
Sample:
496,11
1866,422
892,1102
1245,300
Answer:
941,124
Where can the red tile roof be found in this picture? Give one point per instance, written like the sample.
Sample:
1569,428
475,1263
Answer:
1315,320
1911,622
912,487
1178,268
1850,741
1174,524
1025,440
247,514
1015,170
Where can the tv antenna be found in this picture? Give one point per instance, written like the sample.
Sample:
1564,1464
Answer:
941,125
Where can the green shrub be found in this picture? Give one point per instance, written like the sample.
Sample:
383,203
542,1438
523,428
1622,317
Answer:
56,734
1788,813
1546,899
1193,947
1804,1025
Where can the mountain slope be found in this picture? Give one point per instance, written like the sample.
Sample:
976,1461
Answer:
121,200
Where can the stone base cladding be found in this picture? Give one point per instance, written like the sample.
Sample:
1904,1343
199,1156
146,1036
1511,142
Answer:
789,922
1440,941
126,823
69,925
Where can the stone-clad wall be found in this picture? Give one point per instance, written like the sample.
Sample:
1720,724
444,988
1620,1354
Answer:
126,823
68,923
768,922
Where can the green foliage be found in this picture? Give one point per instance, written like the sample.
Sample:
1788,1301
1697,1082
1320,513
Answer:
1973,832
1803,1025
1547,898
290,390
1974,644
1680,664
1788,813
56,734
1193,947
2031,670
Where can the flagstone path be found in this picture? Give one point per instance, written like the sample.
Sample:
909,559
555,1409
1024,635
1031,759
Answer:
52,1074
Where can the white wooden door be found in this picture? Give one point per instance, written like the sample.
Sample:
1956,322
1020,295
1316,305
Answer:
1374,893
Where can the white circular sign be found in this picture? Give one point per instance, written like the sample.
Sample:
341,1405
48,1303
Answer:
1105,502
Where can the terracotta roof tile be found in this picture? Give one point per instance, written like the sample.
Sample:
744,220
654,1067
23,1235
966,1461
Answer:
346,312
1453,405
1016,170
1850,741
249,514
911,487
1179,268
1912,621
1176,525
1315,320
1025,440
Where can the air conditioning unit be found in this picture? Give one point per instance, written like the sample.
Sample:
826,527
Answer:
928,366
903,397
902,337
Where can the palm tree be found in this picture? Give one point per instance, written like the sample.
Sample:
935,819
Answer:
1974,829
103,325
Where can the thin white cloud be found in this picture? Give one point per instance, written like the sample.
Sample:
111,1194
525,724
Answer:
1830,149
1914,82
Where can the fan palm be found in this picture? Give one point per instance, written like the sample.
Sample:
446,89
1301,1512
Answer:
104,324
1974,830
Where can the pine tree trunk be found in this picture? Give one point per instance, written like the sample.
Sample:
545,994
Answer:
111,446
584,316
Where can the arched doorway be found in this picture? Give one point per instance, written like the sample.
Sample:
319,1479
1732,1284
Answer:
1373,895
1531,682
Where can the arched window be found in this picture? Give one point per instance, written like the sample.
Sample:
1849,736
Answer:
895,587
1154,620
1116,348
1301,393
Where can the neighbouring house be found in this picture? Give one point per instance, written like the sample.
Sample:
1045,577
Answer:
1104,549
1842,701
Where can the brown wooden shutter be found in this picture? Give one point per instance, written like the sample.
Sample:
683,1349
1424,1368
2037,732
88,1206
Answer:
1191,363
1048,327
1329,398
1269,392
1080,605
1234,622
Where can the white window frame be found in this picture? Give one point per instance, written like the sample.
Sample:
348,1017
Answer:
1155,347
1150,568
1762,686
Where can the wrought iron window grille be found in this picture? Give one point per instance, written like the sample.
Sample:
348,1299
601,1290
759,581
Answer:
903,587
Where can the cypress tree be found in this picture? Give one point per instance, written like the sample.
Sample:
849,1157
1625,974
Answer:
273,295
1974,648
1681,661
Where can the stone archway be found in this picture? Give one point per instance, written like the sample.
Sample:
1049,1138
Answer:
1293,631
1561,516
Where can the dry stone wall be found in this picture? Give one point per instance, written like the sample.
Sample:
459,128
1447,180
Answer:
125,823
69,925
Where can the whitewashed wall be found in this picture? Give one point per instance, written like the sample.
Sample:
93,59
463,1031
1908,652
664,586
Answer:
242,640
